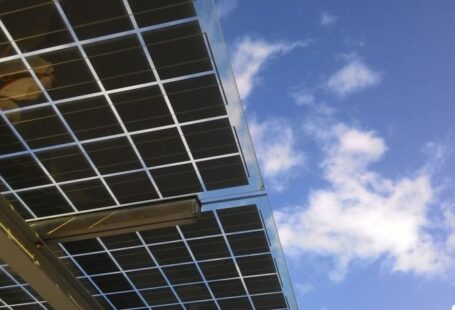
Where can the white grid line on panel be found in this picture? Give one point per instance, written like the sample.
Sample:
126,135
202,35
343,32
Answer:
35,158
196,263
107,97
163,274
237,267
36,301
99,39
86,275
18,198
109,137
61,118
163,91
124,273
177,241
110,91
20,190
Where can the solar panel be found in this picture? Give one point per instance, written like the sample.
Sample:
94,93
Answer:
115,103
206,265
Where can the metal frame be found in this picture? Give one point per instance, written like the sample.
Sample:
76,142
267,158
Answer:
33,261
116,222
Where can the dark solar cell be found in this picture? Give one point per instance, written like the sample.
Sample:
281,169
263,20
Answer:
165,46
173,307
132,187
256,265
177,180
227,288
14,295
6,49
43,28
133,258
126,300
120,62
266,284
249,243
42,127
210,138
161,11
195,98
66,164
96,263
235,303
223,172
219,269
160,235
265,302
206,305
172,253
83,246
112,283
71,74
45,201
187,273
22,171
142,108
206,226
17,205
209,248
121,241
113,155
88,195
91,18
161,147
146,278
240,219
10,144
103,302
160,296
90,118
193,292
5,280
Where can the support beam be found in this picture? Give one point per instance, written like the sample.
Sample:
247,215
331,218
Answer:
24,251
118,221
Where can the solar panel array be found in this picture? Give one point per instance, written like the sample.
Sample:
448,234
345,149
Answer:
114,103
110,120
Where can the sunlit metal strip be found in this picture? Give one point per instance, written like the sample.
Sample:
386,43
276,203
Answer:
118,221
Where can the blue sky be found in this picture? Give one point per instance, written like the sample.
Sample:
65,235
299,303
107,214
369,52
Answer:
351,105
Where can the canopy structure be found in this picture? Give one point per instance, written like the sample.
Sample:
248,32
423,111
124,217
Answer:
127,173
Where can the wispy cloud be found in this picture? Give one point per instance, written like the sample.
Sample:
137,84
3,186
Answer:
224,8
251,55
353,77
277,150
306,97
328,19
362,215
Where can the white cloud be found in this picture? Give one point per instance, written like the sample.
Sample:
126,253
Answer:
353,77
304,97
362,215
276,148
328,19
224,8
251,55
